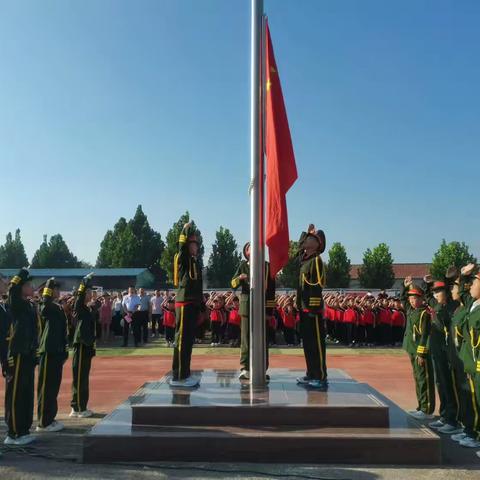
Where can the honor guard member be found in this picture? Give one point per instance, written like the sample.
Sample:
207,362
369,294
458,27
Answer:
310,305
22,359
5,322
416,343
473,320
470,354
83,348
187,272
53,354
241,279
462,360
440,300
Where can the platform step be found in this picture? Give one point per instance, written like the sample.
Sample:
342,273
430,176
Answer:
224,421
331,416
267,444
222,399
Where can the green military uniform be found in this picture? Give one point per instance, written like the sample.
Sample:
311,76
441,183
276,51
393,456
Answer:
471,357
22,359
310,305
83,348
53,353
416,343
188,302
244,310
439,348
463,365
5,323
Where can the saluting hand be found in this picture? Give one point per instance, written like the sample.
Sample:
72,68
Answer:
427,278
468,269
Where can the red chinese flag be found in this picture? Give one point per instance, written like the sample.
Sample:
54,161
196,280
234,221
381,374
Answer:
281,168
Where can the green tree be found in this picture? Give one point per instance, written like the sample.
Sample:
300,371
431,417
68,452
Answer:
149,243
131,244
338,267
288,277
171,247
377,268
110,244
54,254
12,252
450,254
223,260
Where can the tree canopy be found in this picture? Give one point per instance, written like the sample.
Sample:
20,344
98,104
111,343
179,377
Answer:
12,252
223,260
450,254
377,268
54,254
131,244
338,267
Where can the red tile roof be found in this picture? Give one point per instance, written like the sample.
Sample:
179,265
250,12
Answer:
401,270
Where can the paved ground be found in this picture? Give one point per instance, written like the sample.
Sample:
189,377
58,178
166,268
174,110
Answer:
114,378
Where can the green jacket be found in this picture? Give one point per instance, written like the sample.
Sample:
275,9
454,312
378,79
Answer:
5,324
441,322
270,285
311,281
53,338
457,325
416,339
470,353
23,338
85,321
187,273
463,330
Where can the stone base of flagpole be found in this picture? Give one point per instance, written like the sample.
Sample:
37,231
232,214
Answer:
225,420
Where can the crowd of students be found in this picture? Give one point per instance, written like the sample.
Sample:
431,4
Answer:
353,320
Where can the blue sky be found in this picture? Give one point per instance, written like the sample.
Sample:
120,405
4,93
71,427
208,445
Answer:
107,105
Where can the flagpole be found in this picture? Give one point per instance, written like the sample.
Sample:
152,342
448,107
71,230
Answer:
257,242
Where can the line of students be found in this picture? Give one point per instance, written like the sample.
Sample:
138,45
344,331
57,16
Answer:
442,339
31,336
364,320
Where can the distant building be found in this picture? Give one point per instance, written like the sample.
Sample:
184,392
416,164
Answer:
107,278
401,271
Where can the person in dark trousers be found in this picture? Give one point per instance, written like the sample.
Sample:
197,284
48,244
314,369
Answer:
83,348
241,279
53,354
21,360
310,305
188,302
144,314
5,323
438,294
156,302
416,343
469,353
461,357
131,303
